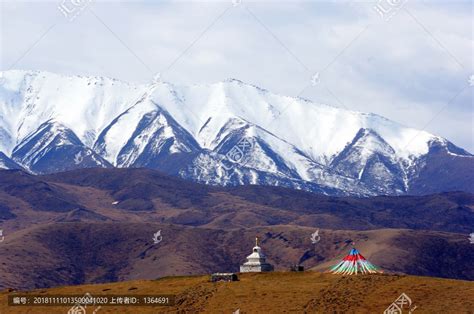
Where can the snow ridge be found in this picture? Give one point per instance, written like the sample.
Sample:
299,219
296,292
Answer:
188,130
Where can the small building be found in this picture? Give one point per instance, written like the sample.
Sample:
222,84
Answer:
297,268
256,262
224,277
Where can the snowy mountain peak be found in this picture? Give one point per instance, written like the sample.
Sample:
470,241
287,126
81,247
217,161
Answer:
84,104
371,142
233,80
191,131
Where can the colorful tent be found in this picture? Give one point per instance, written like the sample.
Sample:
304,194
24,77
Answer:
353,264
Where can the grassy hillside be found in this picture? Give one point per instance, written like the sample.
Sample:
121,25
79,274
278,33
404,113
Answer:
85,253
142,195
279,292
96,226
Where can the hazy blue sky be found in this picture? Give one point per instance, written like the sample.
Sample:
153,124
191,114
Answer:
412,68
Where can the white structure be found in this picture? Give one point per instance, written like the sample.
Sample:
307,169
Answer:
256,262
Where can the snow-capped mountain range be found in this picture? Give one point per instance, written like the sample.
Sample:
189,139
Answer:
227,133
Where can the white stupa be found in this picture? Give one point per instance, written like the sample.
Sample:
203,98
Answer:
256,262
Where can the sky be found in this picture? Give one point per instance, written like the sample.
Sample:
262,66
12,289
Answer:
409,61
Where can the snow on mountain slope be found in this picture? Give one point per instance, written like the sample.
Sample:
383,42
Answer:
83,104
7,163
319,130
371,160
195,132
53,148
141,134
87,105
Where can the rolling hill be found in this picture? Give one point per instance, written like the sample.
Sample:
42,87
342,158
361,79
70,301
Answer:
96,226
